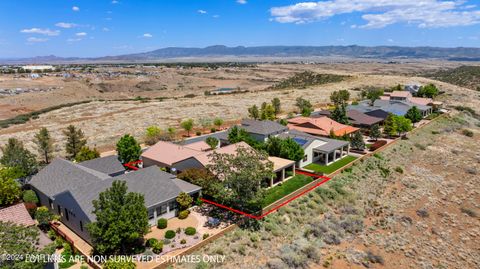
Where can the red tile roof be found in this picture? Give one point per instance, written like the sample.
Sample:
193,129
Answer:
17,214
320,126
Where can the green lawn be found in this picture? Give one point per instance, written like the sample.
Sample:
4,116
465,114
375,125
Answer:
332,167
287,187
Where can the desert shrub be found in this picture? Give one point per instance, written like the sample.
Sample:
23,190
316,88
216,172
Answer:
162,223
327,194
157,247
190,231
178,230
30,196
59,242
399,170
213,130
150,242
205,236
170,234
83,266
423,213
183,214
276,264
467,132
420,146
471,170
378,144
373,258
469,212
198,133
352,225
183,241
166,241
293,257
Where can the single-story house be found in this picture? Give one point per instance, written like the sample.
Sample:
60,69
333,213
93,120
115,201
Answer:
321,126
68,190
260,130
395,107
318,149
109,165
181,157
355,118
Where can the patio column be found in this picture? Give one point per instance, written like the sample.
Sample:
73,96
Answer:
155,214
326,158
293,171
271,181
341,152
283,174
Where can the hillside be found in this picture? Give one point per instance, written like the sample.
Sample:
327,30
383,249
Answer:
465,76
306,79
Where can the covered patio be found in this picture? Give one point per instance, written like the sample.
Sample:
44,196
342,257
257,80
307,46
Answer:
330,153
283,169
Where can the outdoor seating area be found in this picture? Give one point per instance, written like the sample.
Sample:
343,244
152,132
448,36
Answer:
332,167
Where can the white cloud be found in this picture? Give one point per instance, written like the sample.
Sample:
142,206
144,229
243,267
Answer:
36,40
242,2
390,40
115,2
41,31
147,35
105,29
75,8
81,34
74,39
381,13
201,11
66,25
216,16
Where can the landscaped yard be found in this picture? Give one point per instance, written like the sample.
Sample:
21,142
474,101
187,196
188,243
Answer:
332,167
287,187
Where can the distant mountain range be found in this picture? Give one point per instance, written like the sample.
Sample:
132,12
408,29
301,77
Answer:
379,52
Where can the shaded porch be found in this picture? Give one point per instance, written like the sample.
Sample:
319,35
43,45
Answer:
283,170
327,156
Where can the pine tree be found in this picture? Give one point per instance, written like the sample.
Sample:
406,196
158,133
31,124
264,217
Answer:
375,132
357,141
15,155
44,143
276,105
253,112
75,141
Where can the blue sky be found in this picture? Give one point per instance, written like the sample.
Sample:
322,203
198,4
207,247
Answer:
90,28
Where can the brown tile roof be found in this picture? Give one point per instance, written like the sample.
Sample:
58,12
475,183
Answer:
319,126
169,153
17,214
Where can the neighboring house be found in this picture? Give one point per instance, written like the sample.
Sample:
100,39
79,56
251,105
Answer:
68,190
318,149
321,126
260,130
182,157
355,118
406,96
17,214
412,88
395,107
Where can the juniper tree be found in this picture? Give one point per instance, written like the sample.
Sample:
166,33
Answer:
75,141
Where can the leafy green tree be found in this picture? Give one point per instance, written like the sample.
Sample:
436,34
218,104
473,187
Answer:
267,112
121,220
414,114
43,216
403,124
357,141
18,240
10,190
243,173
398,87
340,98
187,125
429,91
15,155
212,142
372,94
128,149
218,122
390,125
304,106
291,150
237,134
276,105
30,196
153,134
211,186
375,132
75,141
184,200
86,154
171,132
119,263
44,142
339,114
274,146
253,112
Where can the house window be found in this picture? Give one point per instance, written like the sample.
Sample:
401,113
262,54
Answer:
50,203
162,209
172,205
81,226
150,214
66,214
305,158
59,209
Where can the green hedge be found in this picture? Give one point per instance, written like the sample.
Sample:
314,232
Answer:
162,223
190,231
170,234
